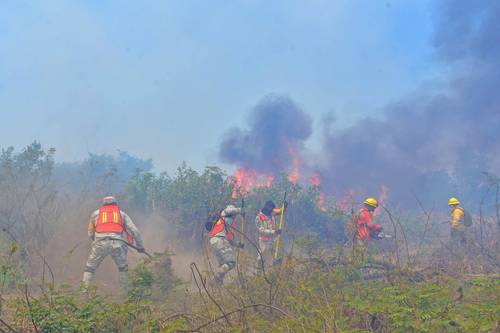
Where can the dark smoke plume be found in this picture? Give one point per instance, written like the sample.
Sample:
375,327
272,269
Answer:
429,143
434,143
278,128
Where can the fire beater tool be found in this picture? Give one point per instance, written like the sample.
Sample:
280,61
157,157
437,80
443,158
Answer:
277,260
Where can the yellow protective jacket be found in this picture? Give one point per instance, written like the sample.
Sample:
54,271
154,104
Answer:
457,218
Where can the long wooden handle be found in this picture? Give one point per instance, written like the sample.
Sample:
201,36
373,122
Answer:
242,220
278,239
242,227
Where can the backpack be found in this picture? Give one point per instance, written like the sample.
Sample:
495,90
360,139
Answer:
211,220
467,219
209,225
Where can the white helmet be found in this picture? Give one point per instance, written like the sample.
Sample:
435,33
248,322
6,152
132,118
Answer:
109,200
230,208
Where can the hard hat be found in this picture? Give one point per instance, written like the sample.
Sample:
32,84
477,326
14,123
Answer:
109,200
270,205
268,208
230,208
371,202
453,201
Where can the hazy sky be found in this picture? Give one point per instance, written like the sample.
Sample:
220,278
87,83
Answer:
164,79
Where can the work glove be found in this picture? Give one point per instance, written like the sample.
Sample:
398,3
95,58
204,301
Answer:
141,250
382,235
277,232
240,245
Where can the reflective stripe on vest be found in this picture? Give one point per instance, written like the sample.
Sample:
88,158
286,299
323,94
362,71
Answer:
109,219
263,218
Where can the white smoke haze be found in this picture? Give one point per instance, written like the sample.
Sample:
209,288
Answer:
425,143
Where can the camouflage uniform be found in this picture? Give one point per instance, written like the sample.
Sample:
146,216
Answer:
267,231
102,246
222,243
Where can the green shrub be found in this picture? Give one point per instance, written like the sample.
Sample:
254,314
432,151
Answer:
152,279
63,312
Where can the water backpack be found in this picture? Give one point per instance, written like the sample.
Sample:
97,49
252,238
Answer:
467,218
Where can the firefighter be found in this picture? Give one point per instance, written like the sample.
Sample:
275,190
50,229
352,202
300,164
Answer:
106,223
267,231
365,228
222,241
457,222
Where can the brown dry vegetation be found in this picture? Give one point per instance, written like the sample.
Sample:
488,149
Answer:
414,282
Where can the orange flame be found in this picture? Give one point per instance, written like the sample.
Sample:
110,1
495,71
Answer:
321,202
267,182
346,203
246,180
315,180
294,175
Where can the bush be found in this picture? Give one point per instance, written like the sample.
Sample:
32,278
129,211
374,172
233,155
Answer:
152,279
63,312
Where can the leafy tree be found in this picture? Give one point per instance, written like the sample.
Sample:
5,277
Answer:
28,194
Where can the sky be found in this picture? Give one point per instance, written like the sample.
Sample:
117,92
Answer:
165,79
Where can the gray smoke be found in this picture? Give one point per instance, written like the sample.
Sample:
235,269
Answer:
435,143
278,127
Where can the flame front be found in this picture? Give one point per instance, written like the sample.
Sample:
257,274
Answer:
321,202
315,180
245,180
347,202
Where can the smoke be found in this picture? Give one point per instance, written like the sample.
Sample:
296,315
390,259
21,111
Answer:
278,129
427,141
467,29
433,143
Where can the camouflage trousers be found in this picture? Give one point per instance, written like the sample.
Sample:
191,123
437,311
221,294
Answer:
266,248
224,253
100,250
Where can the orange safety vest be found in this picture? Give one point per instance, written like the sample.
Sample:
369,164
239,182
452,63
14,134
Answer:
219,227
110,219
263,218
365,225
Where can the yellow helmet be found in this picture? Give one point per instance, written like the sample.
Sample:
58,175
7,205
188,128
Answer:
453,201
371,202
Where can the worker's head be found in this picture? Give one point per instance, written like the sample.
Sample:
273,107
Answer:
268,208
109,200
453,202
229,211
371,204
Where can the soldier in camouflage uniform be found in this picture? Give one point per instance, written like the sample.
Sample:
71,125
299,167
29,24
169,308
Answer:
267,230
106,223
222,242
